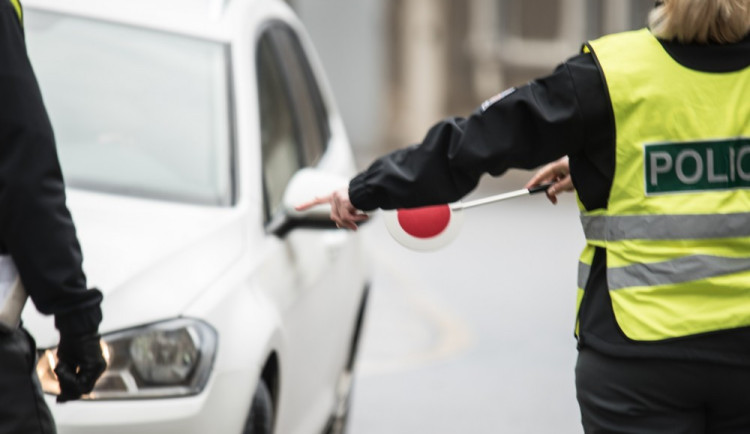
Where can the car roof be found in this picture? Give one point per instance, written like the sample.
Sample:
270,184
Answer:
213,19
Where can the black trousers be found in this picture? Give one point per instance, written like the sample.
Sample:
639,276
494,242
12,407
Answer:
641,396
22,406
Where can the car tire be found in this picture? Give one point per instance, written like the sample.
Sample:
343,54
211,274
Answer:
260,419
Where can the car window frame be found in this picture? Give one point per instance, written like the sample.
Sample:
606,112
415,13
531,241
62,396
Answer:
234,172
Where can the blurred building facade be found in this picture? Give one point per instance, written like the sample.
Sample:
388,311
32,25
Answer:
397,66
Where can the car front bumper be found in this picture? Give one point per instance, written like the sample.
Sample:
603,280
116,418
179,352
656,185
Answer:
222,407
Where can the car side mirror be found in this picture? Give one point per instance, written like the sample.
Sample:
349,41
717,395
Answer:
305,185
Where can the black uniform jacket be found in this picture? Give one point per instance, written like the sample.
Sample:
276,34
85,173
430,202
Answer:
565,113
36,228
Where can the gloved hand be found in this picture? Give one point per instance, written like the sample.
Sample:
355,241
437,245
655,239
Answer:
80,363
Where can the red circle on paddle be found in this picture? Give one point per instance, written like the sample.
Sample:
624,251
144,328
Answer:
425,222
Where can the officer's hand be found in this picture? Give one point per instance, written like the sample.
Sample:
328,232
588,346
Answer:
557,172
80,363
343,213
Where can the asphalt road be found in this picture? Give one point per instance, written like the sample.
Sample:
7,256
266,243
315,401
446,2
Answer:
478,336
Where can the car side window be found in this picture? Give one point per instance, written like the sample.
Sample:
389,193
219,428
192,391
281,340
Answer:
310,109
280,146
294,122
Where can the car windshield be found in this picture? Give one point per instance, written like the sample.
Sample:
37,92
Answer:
135,111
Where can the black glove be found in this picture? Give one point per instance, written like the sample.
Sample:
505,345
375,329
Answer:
80,363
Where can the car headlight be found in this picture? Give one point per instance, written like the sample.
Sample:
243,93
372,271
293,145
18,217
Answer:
166,359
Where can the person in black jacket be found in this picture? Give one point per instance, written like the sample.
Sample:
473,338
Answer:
692,384
37,231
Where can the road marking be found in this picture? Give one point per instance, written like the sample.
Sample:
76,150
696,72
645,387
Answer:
452,333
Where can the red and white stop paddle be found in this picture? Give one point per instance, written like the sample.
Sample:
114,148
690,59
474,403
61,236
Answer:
432,227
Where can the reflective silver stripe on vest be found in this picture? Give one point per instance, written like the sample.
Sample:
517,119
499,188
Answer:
584,270
666,227
685,269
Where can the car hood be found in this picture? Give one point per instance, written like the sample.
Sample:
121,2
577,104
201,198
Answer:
149,258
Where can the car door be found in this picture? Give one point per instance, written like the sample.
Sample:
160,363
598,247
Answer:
313,277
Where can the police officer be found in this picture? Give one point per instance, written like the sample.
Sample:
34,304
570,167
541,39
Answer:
655,125
37,231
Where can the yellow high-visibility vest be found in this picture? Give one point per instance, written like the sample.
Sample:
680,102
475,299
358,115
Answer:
677,225
19,11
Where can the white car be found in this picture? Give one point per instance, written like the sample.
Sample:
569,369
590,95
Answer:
186,130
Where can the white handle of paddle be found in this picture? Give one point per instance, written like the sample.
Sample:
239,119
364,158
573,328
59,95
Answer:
501,197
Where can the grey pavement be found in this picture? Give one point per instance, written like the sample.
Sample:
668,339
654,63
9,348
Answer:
478,336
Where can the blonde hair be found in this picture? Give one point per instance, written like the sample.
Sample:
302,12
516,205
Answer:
701,21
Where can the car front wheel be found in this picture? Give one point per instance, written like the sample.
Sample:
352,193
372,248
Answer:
260,420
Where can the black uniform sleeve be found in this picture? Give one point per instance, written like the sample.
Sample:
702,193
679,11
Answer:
535,124
35,225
